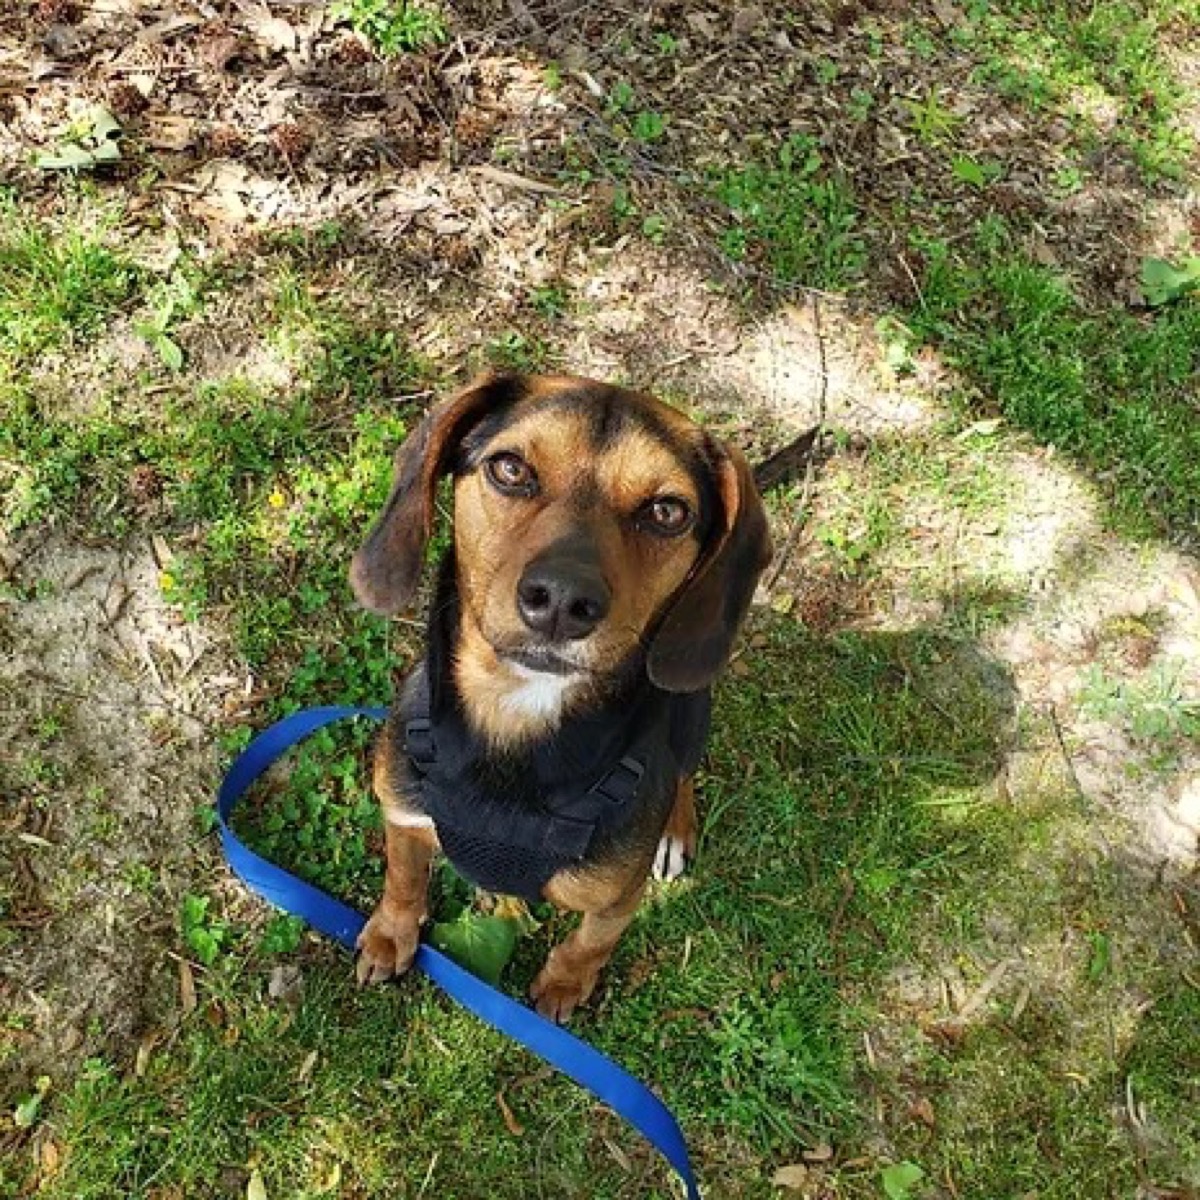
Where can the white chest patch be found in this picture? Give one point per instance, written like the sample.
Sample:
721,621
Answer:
538,693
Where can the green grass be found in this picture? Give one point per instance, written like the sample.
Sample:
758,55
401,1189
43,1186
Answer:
1113,389
58,286
794,216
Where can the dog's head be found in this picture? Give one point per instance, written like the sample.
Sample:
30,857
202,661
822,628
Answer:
591,524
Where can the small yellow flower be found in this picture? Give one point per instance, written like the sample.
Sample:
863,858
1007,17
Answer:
166,581
276,499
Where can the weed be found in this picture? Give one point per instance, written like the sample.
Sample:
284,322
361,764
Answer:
1153,709
203,933
517,352
654,228
793,216
550,301
932,122
394,26
648,126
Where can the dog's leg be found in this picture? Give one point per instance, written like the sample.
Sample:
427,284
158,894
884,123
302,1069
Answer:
677,846
570,974
388,942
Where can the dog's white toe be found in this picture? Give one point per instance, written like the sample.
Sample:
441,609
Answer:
670,859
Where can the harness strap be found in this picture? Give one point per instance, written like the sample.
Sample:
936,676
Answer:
621,784
419,743
627,1096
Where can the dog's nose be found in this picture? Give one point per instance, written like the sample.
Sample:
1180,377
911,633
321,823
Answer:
563,601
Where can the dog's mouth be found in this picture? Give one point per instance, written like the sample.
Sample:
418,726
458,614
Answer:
543,659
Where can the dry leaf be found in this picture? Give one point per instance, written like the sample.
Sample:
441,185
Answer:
145,1049
795,1176
746,21
306,1067
187,987
619,1155
923,1111
274,32
510,1121
165,131
822,1152
51,1157
164,556
256,1189
947,13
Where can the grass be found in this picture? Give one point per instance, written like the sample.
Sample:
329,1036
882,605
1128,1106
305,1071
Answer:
793,216
744,1066
863,856
56,285
1113,389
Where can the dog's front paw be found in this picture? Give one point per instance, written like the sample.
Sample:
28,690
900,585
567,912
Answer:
386,946
673,856
557,994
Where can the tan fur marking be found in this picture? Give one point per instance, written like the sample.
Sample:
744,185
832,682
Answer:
639,467
609,902
388,941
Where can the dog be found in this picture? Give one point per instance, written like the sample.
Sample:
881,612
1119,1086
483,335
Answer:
605,551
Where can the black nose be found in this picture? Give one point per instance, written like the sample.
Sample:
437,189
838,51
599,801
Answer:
563,600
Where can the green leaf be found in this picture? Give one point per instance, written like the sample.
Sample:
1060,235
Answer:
169,351
104,126
68,157
482,944
649,126
1163,283
969,171
899,1179
1101,955
26,1112
282,935
25,1115
90,143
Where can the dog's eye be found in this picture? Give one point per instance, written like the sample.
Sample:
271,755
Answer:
512,474
667,516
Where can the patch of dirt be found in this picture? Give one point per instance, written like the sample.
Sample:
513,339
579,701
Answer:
1110,647
108,711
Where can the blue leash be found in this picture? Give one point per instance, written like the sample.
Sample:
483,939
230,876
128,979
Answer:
585,1065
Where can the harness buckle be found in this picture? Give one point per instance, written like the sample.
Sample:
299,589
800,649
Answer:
419,743
621,784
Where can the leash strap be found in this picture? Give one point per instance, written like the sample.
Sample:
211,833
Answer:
627,1096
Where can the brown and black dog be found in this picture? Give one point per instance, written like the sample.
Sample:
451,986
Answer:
605,551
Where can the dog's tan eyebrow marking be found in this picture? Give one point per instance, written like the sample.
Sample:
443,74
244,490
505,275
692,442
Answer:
638,467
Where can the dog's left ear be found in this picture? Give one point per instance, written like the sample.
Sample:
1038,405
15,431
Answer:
386,571
695,637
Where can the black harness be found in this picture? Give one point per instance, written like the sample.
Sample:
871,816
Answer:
508,823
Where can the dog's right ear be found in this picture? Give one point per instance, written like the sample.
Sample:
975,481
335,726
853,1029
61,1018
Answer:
385,572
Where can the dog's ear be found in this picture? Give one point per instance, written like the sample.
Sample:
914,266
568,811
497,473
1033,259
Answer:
695,637
385,572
